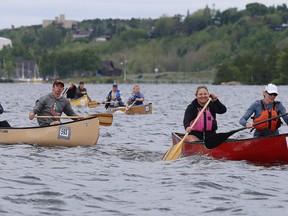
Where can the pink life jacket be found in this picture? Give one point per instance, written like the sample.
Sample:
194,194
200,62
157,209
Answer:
199,125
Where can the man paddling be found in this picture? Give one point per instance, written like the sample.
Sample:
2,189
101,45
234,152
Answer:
52,104
114,98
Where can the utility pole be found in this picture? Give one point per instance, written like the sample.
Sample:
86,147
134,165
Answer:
124,68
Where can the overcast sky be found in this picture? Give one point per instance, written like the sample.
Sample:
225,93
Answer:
32,12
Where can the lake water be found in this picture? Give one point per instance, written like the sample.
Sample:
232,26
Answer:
124,173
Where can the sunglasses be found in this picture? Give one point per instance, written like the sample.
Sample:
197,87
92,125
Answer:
272,94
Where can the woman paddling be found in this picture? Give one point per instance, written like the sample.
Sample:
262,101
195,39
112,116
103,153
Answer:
206,124
264,109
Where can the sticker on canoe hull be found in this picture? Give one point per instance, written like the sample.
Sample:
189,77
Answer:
147,108
64,132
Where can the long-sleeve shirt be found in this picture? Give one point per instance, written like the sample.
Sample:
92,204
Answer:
256,108
48,105
80,92
192,112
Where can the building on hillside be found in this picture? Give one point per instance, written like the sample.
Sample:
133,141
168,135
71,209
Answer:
68,24
108,69
5,42
103,38
283,27
81,34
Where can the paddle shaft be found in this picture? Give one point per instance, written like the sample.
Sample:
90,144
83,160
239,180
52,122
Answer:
175,151
261,122
217,139
130,106
58,117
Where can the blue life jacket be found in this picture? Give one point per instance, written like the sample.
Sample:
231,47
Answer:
118,97
137,95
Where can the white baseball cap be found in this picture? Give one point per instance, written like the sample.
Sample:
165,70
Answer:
271,88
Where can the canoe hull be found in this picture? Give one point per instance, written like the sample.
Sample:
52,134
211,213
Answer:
267,150
83,101
141,109
71,134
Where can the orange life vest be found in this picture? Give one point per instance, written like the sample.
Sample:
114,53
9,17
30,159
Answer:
266,114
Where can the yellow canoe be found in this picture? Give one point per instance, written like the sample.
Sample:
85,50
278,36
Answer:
141,109
71,134
83,101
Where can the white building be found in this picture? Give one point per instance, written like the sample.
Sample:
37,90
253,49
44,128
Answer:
5,42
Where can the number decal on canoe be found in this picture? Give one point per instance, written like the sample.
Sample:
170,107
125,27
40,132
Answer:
64,133
147,108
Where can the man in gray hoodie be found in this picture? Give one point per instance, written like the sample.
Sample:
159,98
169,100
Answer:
52,104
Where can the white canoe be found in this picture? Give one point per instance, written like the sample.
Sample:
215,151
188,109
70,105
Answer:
71,134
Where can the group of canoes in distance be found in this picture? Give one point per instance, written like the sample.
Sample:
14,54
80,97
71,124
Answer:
78,96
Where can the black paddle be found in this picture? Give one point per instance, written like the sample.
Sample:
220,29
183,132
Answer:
217,139
4,124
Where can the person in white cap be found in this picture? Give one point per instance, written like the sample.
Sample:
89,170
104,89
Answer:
265,109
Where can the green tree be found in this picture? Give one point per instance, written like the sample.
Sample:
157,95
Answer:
256,9
282,66
51,36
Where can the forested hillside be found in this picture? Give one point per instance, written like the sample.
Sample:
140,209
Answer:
249,46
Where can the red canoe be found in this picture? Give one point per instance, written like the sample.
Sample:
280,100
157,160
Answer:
265,150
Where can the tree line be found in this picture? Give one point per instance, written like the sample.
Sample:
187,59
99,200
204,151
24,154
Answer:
249,46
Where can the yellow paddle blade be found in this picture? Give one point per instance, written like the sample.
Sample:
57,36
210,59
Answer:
93,104
174,152
105,119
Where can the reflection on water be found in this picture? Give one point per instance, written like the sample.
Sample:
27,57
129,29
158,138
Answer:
124,173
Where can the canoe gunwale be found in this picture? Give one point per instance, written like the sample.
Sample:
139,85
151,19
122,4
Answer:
181,135
56,125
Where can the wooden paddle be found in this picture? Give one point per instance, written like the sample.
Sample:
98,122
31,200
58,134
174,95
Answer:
105,119
217,139
175,151
130,106
93,104
65,91
58,117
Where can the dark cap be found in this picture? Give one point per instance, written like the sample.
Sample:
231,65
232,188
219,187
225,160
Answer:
58,82
115,85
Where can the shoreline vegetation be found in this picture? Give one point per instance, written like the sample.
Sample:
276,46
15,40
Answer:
206,77
228,47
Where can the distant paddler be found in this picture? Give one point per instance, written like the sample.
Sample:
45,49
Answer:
81,91
136,99
52,104
71,91
114,98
